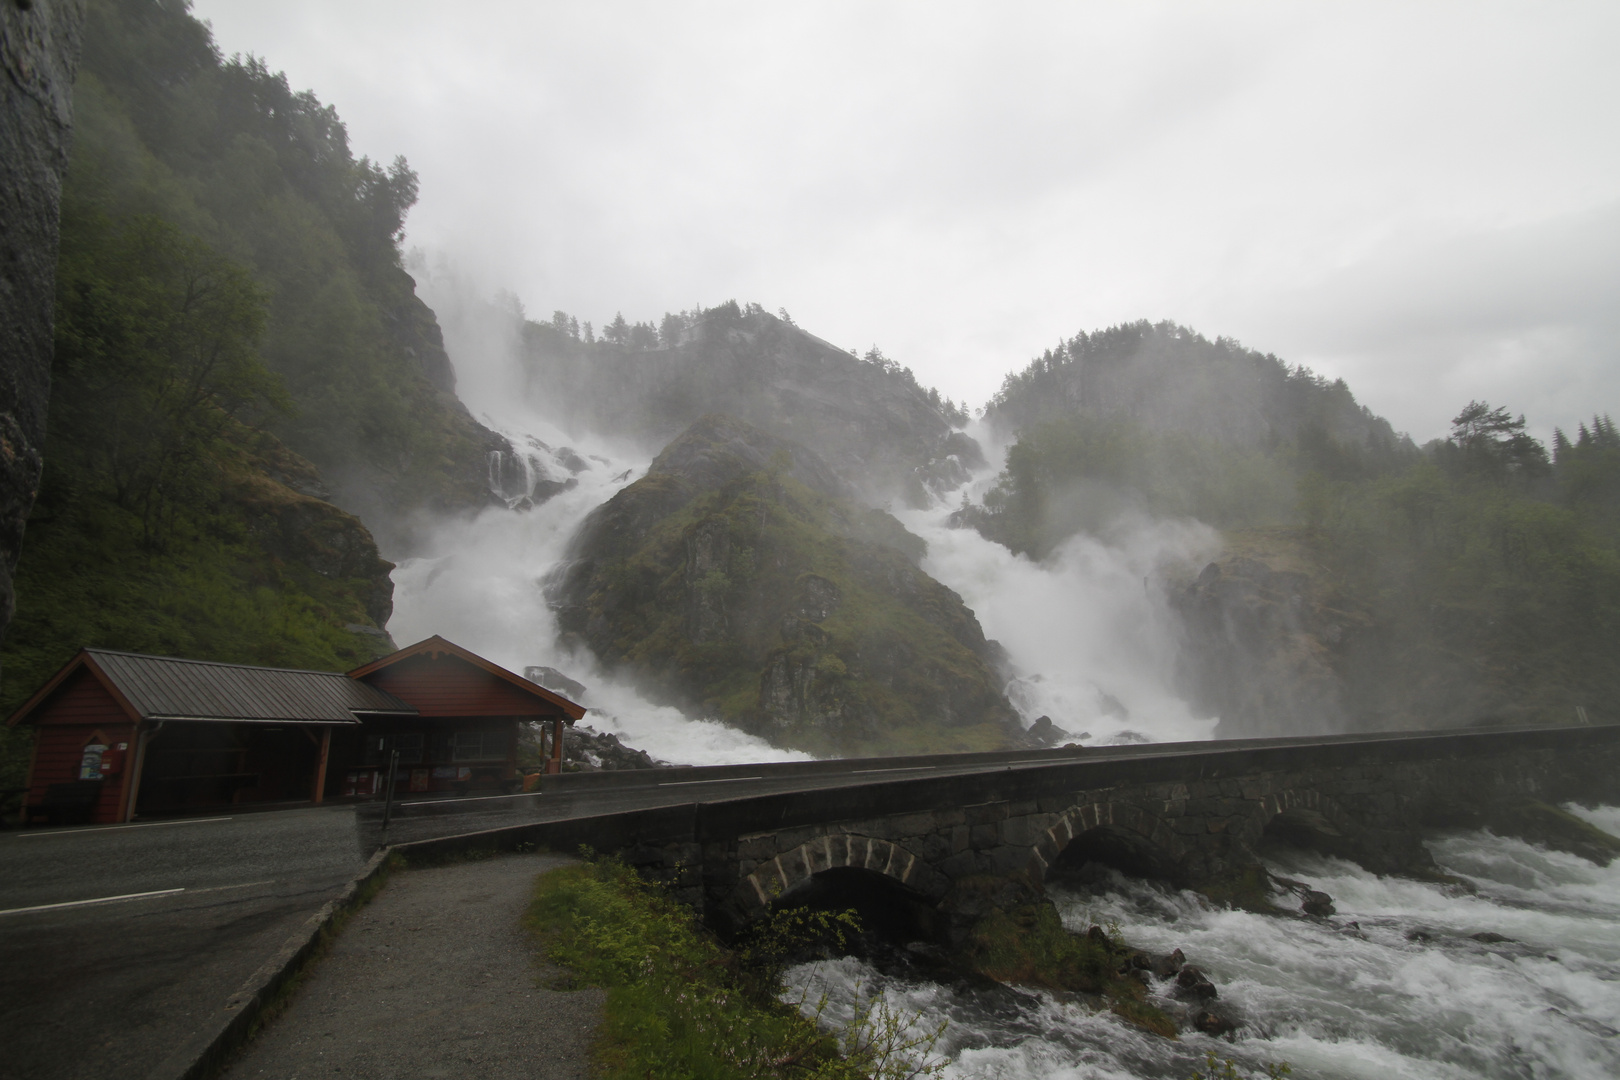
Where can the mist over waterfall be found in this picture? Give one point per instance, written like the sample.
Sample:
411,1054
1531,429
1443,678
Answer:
1088,630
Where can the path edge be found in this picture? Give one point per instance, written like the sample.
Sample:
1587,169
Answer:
230,1026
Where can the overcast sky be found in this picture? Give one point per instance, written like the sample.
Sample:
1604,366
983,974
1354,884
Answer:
1423,199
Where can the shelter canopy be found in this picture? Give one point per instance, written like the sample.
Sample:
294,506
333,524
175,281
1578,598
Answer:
168,688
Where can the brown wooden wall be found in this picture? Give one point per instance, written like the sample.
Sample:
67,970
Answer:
79,708
449,686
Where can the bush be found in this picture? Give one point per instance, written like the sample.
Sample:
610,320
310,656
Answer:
681,1005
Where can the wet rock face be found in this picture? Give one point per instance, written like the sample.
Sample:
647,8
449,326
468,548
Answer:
39,51
1266,647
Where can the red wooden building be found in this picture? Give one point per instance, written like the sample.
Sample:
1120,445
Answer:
123,734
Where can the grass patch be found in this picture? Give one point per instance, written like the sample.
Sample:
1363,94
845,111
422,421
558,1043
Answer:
1029,946
682,1006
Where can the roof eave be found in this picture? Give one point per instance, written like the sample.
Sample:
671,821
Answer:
84,658
572,711
350,722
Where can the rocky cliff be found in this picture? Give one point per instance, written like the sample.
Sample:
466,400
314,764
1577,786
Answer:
39,53
736,579
1268,639
1277,644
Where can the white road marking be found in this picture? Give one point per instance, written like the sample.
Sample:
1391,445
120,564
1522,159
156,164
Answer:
87,903
131,896
897,768
468,798
717,780
120,828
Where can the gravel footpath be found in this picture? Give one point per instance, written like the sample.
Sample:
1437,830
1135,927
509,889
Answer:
434,978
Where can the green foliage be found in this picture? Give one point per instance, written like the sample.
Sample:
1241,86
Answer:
1030,946
226,152
156,355
88,577
1518,579
772,944
1218,1069
228,273
1066,476
680,1005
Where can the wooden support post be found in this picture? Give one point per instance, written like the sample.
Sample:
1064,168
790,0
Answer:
320,765
554,766
136,766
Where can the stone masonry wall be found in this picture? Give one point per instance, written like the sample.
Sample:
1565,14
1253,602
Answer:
1204,829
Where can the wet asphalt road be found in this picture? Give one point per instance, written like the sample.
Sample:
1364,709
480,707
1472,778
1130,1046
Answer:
95,990
110,989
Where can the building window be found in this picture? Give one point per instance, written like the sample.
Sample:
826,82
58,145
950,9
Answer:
481,745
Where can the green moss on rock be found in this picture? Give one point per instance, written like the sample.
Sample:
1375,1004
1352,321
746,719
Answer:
736,579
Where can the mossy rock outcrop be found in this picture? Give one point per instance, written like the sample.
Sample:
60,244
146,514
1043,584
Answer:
736,579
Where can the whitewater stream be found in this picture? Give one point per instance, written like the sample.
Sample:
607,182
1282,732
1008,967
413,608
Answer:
1395,985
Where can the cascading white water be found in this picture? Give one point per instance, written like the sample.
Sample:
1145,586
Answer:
1395,985
1088,628
481,588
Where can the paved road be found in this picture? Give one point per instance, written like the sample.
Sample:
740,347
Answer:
109,989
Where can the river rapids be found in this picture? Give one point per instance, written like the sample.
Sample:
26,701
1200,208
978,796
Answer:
1517,979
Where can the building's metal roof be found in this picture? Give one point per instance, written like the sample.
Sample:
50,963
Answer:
166,688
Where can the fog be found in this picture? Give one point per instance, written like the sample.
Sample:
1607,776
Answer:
1419,198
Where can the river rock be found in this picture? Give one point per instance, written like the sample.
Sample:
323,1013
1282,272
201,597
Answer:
1212,1023
590,750
1317,903
1192,982
1166,966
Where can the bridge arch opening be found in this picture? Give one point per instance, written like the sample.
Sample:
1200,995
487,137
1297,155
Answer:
1308,829
889,911
1114,847
1307,820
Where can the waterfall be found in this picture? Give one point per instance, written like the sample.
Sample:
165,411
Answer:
1088,630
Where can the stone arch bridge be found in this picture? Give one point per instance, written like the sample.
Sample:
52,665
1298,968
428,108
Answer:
1192,814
